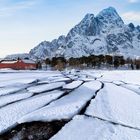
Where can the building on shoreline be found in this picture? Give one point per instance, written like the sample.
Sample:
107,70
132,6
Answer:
18,64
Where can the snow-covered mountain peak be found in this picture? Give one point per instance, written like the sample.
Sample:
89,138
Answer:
88,17
109,10
105,33
109,18
87,27
109,13
138,28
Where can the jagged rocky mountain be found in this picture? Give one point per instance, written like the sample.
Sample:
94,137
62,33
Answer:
105,33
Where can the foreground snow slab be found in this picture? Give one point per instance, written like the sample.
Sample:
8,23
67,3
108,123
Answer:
131,77
17,82
66,107
135,88
60,79
45,87
86,79
118,82
116,104
25,77
85,128
14,97
11,113
12,89
73,85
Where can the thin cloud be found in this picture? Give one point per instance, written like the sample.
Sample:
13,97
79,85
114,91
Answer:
132,16
13,8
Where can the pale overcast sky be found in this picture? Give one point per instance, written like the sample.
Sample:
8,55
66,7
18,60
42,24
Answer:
25,23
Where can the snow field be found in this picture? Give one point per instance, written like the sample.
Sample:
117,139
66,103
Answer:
114,113
87,128
116,104
45,87
11,113
65,107
72,85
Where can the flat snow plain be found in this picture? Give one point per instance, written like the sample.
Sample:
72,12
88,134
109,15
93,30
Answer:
101,105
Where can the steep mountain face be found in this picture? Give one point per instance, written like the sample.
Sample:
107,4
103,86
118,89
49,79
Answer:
105,33
48,49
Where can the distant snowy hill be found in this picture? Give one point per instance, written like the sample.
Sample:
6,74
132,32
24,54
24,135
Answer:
105,33
16,56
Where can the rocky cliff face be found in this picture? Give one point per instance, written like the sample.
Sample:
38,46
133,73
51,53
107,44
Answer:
105,33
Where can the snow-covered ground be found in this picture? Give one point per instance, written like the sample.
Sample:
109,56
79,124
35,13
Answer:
102,105
10,114
66,107
116,104
87,128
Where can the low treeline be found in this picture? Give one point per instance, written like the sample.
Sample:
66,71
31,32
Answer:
93,61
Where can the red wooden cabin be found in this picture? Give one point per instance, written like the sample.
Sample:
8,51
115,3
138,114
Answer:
18,64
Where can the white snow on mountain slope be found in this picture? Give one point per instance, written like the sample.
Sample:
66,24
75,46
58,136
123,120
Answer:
48,49
85,128
116,104
66,107
11,113
105,33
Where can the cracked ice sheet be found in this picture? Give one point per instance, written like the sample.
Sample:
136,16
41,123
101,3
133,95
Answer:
60,79
86,79
17,76
118,83
25,77
45,87
72,85
135,88
29,73
53,79
17,82
73,77
116,104
11,113
92,73
11,89
85,128
125,76
66,107
14,97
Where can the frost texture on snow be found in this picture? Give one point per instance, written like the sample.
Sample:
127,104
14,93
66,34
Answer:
108,101
45,87
116,104
72,85
129,77
11,113
14,97
135,88
67,106
85,128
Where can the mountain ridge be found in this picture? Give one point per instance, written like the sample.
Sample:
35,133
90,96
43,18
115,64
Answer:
104,33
